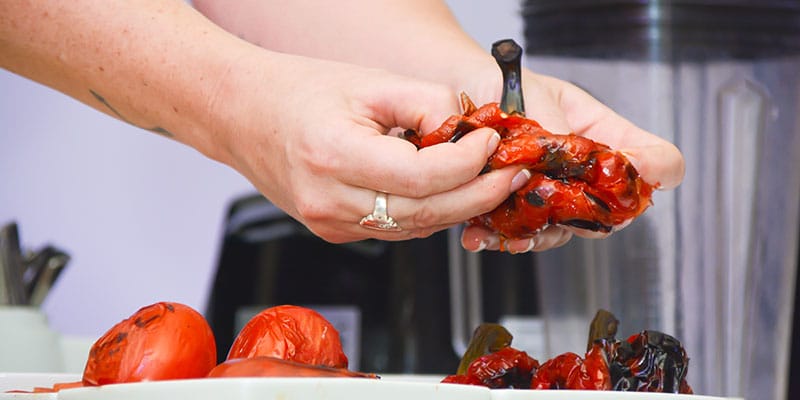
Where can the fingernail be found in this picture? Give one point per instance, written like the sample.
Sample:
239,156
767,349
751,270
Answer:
637,165
633,160
491,146
623,225
520,179
481,246
531,245
487,243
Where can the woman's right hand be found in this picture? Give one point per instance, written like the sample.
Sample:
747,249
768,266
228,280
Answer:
314,137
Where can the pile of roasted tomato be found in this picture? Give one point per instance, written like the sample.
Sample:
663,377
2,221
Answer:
165,341
649,361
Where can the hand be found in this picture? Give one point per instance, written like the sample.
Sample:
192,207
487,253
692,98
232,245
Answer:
562,108
317,146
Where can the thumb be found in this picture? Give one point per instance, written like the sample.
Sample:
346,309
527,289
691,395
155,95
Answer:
661,164
412,104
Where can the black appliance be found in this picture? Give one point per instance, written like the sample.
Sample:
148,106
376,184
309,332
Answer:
401,290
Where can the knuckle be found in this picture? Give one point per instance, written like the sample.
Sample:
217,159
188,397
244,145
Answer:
318,161
424,217
314,212
322,163
413,184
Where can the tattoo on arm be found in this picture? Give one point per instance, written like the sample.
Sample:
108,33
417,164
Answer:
157,129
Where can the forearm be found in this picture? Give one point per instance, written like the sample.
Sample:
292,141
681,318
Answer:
418,38
145,62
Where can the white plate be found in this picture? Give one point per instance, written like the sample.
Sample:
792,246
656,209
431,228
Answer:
511,394
28,381
396,388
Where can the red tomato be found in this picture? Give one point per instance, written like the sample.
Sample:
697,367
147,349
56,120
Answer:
158,342
276,367
290,333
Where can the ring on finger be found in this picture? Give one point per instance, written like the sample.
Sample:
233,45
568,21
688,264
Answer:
379,219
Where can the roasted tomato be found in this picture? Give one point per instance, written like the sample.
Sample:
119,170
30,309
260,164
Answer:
276,367
291,333
159,342
570,371
504,368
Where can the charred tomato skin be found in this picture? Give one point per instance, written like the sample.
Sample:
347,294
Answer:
162,341
504,368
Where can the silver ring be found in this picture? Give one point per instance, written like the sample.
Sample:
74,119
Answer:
380,220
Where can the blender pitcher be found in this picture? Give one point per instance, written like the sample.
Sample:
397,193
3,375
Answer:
713,262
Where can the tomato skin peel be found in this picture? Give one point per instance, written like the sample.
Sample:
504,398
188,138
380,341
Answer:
291,333
275,367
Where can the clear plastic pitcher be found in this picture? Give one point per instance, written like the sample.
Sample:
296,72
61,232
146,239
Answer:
713,263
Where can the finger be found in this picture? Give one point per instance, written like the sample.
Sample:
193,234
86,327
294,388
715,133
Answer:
392,165
333,216
539,94
660,165
410,104
424,107
566,236
345,232
549,238
341,206
658,161
478,238
587,234
476,197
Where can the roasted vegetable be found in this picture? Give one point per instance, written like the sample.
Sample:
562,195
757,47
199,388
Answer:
648,361
489,361
291,333
486,339
158,342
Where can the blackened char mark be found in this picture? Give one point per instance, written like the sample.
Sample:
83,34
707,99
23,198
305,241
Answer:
534,199
598,201
588,225
462,128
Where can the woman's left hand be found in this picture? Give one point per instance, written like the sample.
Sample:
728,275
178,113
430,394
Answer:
561,107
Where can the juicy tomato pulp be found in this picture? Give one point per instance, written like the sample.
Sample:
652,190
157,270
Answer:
290,333
159,342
